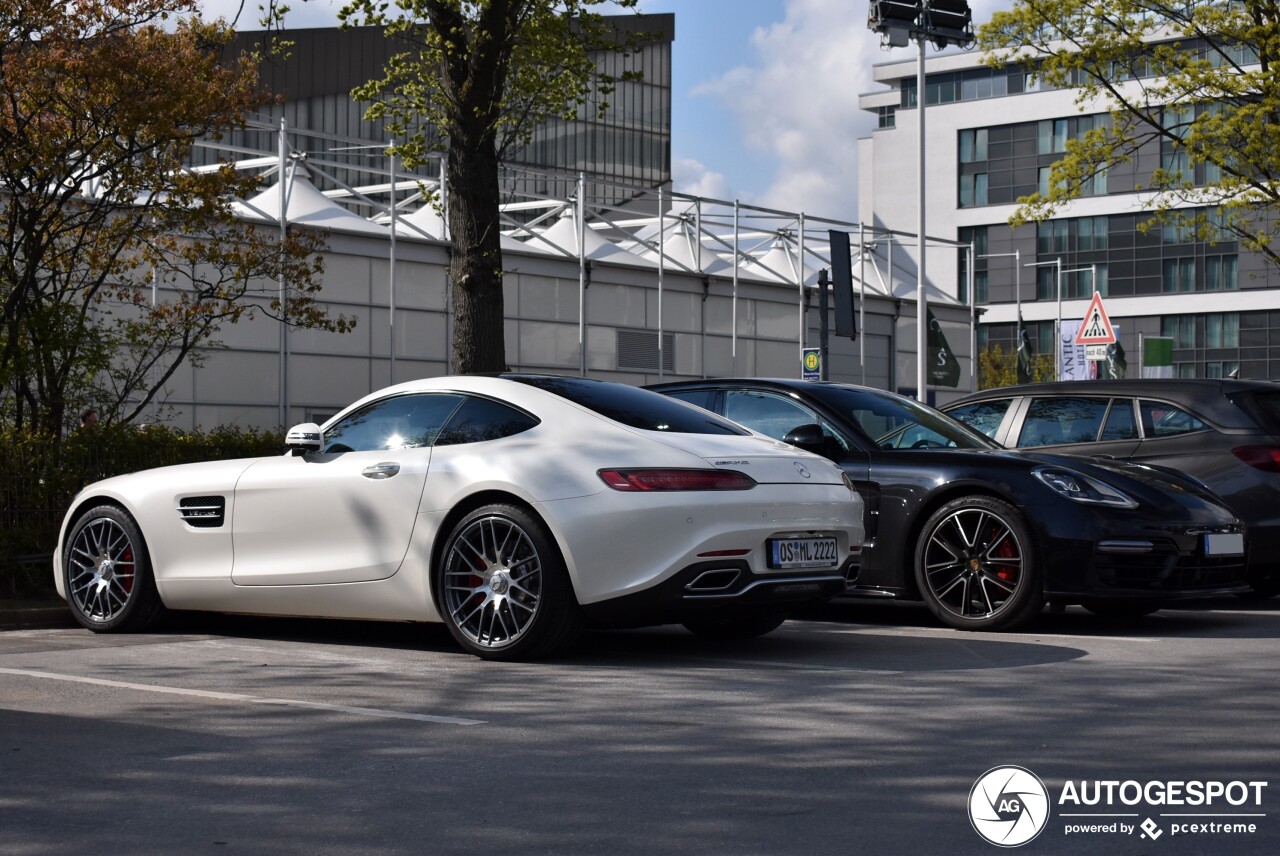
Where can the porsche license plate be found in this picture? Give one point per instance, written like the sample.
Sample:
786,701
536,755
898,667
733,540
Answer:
802,553
1224,544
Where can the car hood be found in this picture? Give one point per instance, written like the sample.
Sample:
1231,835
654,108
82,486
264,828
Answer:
211,476
1153,485
1160,491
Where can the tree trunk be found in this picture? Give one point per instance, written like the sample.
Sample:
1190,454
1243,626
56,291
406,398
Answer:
475,266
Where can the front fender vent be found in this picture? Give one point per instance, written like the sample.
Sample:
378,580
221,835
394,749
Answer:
203,512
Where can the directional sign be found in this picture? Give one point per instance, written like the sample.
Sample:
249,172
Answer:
1096,327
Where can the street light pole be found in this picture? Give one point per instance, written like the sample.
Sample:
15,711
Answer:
943,22
1057,326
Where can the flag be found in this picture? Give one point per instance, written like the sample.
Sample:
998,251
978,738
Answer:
943,368
1116,365
1157,356
1025,372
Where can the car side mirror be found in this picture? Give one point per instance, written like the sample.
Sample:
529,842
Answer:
304,438
808,437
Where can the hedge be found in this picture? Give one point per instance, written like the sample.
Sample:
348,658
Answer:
39,478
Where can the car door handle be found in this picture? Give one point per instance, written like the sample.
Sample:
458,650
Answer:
384,470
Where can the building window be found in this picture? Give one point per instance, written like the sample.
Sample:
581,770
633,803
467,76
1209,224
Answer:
1221,368
1173,156
973,145
887,116
973,190
1179,275
1047,282
1051,236
1052,137
1220,273
1091,233
1222,330
1180,328
1042,182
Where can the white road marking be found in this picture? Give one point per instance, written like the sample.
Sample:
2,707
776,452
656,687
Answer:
241,697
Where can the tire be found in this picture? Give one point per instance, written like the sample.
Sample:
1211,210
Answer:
107,571
503,589
741,626
975,565
1120,610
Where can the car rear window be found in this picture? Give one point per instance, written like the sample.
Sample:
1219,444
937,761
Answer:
632,406
1161,419
1267,408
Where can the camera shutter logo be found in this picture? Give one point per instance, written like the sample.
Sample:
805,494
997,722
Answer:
1009,806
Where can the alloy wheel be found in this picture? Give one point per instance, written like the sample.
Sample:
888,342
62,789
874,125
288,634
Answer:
492,581
101,570
973,563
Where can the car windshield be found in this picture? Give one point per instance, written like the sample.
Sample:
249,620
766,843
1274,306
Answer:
632,406
894,422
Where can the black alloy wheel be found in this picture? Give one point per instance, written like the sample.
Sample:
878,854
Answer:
975,566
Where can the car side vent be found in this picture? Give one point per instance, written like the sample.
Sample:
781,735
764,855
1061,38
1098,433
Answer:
203,512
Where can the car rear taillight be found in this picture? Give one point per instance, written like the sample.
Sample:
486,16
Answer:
669,479
1262,457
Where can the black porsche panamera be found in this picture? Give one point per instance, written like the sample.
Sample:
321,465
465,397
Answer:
984,535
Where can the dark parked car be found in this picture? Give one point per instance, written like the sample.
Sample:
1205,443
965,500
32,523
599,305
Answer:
983,535
1225,433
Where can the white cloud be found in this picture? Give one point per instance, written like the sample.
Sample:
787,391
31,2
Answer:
308,13
797,101
694,178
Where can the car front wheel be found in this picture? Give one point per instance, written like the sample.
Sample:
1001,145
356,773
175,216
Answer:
504,590
975,567
107,573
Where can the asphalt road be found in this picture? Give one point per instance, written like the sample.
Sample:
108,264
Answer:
856,730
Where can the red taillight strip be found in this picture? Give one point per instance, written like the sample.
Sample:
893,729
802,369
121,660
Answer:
1260,457
675,479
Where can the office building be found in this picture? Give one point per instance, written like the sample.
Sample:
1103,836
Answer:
992,135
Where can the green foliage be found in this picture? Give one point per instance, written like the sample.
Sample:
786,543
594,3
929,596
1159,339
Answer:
39,479
116,263
1196,79
474,78
998,367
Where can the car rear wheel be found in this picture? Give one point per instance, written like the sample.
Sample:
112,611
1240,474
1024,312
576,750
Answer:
107,572
975,566
504,590
747,626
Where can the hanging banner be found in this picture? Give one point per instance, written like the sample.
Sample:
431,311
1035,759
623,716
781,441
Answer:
1072,362
943,370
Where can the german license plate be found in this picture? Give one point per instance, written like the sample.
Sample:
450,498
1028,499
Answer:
802,553
1224,544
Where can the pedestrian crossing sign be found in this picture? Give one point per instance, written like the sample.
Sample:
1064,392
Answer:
1096,328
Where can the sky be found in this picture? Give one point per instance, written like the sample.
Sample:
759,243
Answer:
765,95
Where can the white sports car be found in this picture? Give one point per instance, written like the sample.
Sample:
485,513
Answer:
516,509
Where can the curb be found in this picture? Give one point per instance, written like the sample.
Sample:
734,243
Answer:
35,619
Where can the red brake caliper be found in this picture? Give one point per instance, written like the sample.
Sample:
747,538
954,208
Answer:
1005,550
126,558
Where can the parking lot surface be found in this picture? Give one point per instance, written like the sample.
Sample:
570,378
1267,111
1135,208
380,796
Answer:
852,730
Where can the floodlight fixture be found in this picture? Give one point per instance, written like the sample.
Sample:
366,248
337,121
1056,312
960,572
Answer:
948,22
